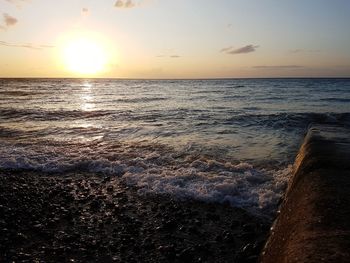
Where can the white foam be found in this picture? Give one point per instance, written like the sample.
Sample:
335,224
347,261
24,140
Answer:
254,190
57,160
157,170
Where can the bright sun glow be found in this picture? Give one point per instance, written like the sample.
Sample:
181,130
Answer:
84,56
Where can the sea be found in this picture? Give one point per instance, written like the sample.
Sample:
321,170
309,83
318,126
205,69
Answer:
228,141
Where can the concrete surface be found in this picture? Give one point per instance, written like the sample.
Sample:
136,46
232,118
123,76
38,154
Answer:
314,220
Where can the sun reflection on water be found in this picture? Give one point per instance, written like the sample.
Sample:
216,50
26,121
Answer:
87,97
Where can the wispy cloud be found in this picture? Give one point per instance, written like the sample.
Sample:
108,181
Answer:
294,51
25,45
9,20
85,12
279,67
226,49
47,46
171,56
242,50
124,4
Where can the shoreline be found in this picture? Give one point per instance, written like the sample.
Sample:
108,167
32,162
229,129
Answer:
95,218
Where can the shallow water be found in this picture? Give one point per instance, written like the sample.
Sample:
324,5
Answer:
213,140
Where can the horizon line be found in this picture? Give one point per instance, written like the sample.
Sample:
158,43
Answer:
213,78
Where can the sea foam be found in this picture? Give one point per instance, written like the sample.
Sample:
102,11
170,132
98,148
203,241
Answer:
258,191
160,170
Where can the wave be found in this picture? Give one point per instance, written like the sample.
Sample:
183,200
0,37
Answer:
189,118
9,132
157,169
138,100
336,99
241,185
251,108
288,120
19,93
50,115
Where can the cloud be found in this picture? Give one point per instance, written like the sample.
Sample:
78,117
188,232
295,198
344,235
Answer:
25,45
46,46
119,4
241,50
124,4
226,49
171,56
85,12
9,20
294,51
279,67
129,4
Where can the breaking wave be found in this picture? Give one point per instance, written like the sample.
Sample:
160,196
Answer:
158,169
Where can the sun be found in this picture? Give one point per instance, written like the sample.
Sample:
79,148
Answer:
84,56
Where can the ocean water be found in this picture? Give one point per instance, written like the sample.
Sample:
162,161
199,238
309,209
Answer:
229,140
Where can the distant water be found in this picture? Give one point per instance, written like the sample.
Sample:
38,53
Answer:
212,140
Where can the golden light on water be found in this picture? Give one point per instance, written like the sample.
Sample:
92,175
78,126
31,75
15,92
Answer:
84,56
87,98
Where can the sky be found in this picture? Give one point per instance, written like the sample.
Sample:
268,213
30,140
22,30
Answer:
175,39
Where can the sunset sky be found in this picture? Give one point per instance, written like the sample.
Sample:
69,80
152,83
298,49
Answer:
174,39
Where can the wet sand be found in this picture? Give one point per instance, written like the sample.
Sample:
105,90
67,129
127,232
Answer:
94,218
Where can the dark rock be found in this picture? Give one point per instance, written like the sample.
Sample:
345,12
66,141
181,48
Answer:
247,254
122,226
193,230
247,236
218,238
106,179
235,224
249,228
170,225
213,217
229,238
21,238
186,255
95,205
198,223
